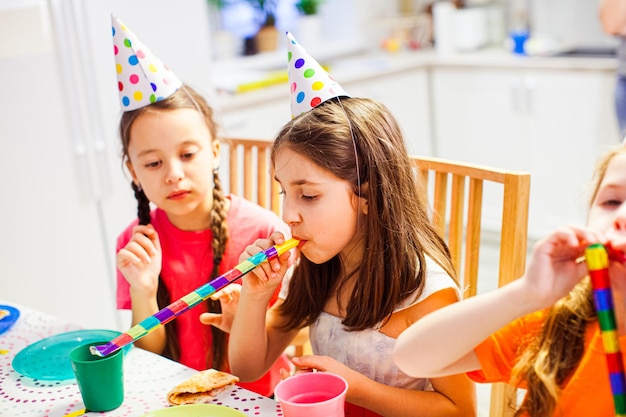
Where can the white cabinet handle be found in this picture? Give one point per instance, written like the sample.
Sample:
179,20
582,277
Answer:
516,95
530,85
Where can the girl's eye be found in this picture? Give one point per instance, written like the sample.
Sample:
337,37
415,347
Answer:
612,203
153,164
309,197
188,155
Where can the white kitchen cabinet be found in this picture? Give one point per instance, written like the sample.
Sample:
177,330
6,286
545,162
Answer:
406,94
552,123
262,114
256,118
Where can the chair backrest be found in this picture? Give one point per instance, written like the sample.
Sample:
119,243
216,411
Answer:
455,193
249,174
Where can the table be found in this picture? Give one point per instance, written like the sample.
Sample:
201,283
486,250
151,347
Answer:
147,379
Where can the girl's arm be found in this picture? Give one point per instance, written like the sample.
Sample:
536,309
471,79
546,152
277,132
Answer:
454,396
256,340
145,307
139,261
613,17
442,342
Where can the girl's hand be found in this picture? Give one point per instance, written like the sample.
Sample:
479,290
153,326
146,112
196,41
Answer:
617,272
310,363
555,267
140,260
617,259
267,276
229,299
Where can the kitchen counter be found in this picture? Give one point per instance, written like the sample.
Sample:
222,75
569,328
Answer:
526,110
369,65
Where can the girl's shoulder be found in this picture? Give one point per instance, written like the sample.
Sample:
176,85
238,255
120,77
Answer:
245,214
436,279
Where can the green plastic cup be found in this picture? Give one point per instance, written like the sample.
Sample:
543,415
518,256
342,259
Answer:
100,379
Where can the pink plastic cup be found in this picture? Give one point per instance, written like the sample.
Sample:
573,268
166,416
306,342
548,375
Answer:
312,394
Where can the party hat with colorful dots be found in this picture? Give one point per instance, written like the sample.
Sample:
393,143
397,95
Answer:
309,84
142,78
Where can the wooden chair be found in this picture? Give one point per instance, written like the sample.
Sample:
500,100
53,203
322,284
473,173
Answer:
455,192
250,177
249,173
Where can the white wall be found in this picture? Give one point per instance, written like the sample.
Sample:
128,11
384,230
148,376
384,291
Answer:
574,22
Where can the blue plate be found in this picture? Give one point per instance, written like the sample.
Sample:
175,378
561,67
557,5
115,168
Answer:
8,317
49,358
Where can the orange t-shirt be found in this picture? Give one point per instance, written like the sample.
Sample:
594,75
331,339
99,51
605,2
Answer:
587,392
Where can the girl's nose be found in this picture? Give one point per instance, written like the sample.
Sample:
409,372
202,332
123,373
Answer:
174,173
620,218
290,214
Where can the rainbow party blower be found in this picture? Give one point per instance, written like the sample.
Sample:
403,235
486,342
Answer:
597,260
190,300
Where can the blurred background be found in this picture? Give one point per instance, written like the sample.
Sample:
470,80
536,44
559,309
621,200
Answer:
518,84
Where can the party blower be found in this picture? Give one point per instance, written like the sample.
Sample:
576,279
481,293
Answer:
190,300
597,258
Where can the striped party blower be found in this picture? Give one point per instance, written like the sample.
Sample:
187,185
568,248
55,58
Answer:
597,259
190,300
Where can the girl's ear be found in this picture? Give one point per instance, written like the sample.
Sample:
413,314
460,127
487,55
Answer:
363,206
217,152
130,168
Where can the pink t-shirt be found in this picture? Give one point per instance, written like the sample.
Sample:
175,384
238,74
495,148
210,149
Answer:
187,265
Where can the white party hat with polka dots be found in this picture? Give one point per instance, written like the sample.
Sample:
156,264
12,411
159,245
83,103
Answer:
309,84
142,78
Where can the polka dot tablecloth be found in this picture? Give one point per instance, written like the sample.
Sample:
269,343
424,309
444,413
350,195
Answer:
147,379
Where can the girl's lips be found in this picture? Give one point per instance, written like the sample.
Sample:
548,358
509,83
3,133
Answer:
177,195
302,241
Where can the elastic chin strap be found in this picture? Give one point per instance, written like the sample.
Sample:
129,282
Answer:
356,157
195,103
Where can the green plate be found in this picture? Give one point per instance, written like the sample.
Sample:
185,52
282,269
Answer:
195,410
49,358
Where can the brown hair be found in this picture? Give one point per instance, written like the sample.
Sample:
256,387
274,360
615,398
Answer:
397,230
550,357
186,98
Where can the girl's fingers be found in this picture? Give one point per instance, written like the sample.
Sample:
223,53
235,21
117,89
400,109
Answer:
228,293
139,251
147,243
128,256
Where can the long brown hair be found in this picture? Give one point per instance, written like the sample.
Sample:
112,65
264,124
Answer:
550,357
186,98
361,136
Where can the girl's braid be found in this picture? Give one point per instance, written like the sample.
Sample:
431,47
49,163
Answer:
217,355
143,205
172,347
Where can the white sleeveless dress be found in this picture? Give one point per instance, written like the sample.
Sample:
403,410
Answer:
368,351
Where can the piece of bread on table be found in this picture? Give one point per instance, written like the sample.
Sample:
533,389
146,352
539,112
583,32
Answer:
201,388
